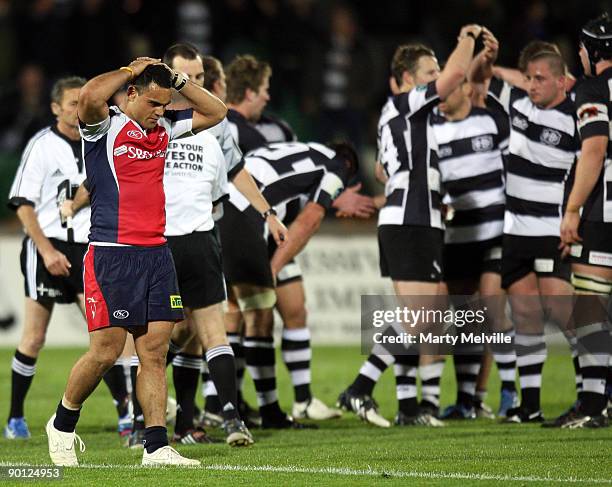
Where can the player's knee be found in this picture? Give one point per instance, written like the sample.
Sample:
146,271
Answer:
31,345
295,317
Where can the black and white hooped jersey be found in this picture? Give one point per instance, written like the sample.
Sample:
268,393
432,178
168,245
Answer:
543,148
594,107
274,129
405,151
195,179
244,132
290,172
49,159
470,157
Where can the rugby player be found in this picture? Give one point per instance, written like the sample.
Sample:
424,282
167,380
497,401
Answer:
129,276
543,148
586,229
410,223
247,85
300,181
52,253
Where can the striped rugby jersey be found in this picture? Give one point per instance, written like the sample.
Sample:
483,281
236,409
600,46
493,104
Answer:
471,167
405,151
594,104
543,147
293,173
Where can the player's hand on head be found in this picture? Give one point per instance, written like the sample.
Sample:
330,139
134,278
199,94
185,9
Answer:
56,263
138,65
278,230
491,44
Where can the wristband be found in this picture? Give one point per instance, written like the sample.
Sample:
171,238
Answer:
269,212
129,70
179,81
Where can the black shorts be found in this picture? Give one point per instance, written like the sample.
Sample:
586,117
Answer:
410,253
199,268
596,246
45,288
246,258
471,260
522,255
130,286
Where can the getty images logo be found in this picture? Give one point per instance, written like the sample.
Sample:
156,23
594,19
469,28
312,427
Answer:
121,314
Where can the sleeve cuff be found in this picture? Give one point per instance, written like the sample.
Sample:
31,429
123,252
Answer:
15,202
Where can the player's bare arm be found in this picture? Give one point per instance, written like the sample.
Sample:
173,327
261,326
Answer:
55,262
71,207
459,61
93,98
208,109
588,169
246,185
305,226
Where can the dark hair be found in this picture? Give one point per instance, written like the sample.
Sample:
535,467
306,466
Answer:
554,60
184,50
345,150
245,72
406,58
212,71
534,48
63,84
153,73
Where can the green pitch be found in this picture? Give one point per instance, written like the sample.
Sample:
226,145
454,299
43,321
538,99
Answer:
343,452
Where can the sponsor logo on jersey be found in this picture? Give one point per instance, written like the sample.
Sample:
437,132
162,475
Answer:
121,314
135,134
176,302
138,153
119,151
520,122
550,137
482,143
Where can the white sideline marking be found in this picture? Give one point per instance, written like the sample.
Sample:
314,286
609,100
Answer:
354,472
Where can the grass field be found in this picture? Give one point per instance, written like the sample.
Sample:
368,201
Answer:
343,452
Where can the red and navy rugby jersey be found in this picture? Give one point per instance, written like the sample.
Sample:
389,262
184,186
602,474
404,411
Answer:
125,172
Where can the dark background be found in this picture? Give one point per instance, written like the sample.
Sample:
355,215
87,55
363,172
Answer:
41,40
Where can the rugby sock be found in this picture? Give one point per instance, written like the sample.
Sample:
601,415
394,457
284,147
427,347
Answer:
23,370
595,344
530,357
66,418
504,355
138,416
297,354
467,360
573,341
155,437
173,351
185,374
430,383
235,340
209,391
405,370
369,373
260,360
115,381
222,368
